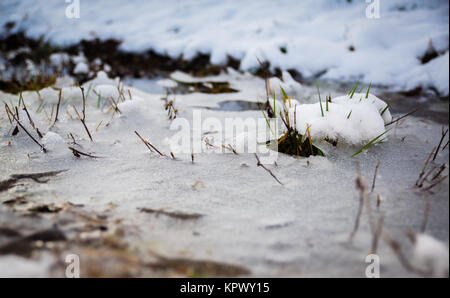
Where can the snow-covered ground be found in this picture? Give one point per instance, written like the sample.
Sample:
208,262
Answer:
311,36
300,228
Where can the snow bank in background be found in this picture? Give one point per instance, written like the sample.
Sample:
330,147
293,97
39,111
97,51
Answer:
355,120
311,36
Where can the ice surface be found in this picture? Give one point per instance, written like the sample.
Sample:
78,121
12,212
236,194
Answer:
296,229
310,36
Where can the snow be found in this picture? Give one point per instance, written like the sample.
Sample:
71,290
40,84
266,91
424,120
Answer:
296,229
316,35
167,83
432,255
52,140
352,121
19,267
81,68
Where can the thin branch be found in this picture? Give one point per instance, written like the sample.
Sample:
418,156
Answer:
57,106
148,144
436,183
404,116
425,166
444,133
259,164
77,153
26,131
378,232
375,176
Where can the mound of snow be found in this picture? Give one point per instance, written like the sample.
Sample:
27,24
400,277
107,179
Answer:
431,254
355,120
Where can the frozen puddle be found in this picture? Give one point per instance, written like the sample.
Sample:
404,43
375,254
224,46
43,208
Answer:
221,207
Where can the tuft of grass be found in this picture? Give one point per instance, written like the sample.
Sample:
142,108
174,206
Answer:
349,114
353,90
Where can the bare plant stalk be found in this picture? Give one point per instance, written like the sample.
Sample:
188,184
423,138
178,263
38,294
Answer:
425,166
29,118
361,185
435,183
78,153
375,176
404,261
376,236
26,131
259,164
441,169
57,106
444,133
8,113
83,118
148,144
404,116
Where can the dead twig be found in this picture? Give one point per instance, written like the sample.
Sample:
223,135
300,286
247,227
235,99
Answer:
83,119
425,166
375,176
378,231
26,131
148,144
259,164
444,133
29,117
404,261
404,116
57,106
78,153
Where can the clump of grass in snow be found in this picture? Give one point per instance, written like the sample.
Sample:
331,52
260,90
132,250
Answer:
292,142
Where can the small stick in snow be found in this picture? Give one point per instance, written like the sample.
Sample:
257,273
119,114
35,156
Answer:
259,164
171,154
361,185
229,147
404,116
442,169
404,261
443,148
444,133
424,178
7,113
26,131
375,176
425,166
57,106
83,119
147,143
377,234
436,183
192,157
29,118
78,153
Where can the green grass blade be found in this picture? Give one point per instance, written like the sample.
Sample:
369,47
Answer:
284,93
368,89
320,99
354,89
349,114
385,109
370,144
